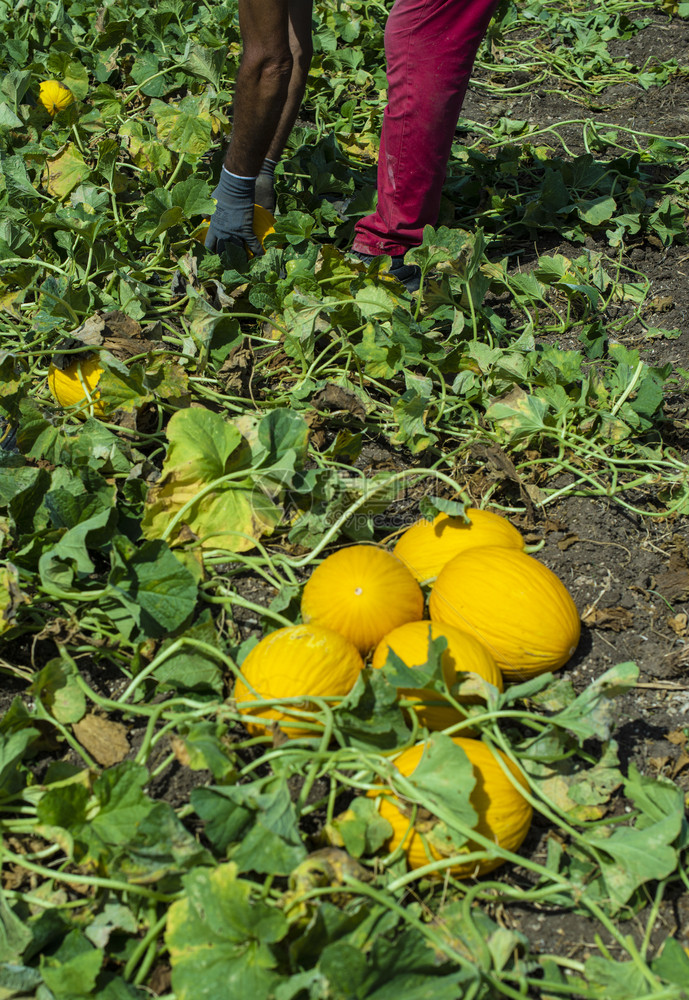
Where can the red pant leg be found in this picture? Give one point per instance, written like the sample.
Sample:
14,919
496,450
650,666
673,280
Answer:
430,47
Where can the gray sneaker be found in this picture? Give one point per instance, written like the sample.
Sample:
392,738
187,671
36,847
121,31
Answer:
408,274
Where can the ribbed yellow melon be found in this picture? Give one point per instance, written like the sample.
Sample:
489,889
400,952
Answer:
300,661
514,604
363,592
54,96
504,815
429,545
68,386
464,653
264,224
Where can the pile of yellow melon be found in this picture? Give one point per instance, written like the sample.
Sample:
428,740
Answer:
503,615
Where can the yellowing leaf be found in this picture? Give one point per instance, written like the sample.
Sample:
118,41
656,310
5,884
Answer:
205,489
11,596
184,127
64,171
219,936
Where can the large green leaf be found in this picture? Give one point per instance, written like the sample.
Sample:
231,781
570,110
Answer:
255,823
153,586
220,937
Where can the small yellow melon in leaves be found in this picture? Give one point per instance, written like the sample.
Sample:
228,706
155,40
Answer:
513,604
264,225
362,592
429,545
77,385
464,653
54,96
300,661
504,815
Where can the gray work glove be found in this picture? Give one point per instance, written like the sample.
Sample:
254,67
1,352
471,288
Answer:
233,219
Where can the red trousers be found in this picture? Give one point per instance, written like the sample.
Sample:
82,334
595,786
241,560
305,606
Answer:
430,47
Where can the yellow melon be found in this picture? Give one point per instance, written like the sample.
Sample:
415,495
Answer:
518,608
429,545
264,224
54,96
68,386
362,592
504,815
464,653
300,661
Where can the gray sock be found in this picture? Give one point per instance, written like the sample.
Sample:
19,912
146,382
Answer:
265,192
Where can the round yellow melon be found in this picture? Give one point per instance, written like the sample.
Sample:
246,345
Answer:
301,661
464,653
68,386
429,545
504,815
363,592
264,224
54,96
513,604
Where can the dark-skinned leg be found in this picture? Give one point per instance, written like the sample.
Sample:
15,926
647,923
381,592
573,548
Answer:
260,93
301,46
262,84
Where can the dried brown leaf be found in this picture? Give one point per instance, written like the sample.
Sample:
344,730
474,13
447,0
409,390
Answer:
615,619
106,741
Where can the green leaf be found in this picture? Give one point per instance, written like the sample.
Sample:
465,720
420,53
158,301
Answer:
256,824
14,934
18,979
191,668
672,965
445,778
153,586
597,210
429,675
410,411
73,969
362,829
370,716
591,714
8,119
220,938
192,196
206,63
17,183
69,559
637,856
431,506
611,980
57,688
76,77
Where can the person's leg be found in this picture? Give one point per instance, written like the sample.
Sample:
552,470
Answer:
262,84
430,47
261,90
301,47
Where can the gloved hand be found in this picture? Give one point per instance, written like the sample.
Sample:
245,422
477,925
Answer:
233,219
